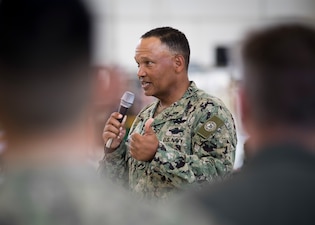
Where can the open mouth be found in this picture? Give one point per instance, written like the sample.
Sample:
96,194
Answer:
145,85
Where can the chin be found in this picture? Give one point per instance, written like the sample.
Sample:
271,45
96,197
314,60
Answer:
148,93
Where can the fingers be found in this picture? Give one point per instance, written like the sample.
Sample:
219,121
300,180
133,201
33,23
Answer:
134,140
138,147
113,119
110,131
113,128
143,147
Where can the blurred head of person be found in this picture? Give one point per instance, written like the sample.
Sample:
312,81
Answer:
45,51
162,56
278,94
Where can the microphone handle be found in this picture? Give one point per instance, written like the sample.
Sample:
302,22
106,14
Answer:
122,110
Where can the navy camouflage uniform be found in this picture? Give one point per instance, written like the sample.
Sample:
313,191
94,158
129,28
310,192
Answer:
197,140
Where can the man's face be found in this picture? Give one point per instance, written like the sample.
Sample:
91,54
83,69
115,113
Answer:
156,67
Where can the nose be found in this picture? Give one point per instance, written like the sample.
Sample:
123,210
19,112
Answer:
141,71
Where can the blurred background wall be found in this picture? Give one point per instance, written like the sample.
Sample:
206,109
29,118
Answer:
208,24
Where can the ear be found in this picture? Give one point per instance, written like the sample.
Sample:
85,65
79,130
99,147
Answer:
179,63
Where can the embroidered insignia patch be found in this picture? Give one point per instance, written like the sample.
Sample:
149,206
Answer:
210,126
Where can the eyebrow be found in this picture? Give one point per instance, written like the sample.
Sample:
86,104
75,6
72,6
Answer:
143,58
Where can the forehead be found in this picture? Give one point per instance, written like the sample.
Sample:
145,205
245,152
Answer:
150,46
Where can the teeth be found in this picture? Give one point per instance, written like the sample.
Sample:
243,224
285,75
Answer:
144,84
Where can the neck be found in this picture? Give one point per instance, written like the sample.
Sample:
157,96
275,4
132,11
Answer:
175,93
276,135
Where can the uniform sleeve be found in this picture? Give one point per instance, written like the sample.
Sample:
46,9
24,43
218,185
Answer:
114,166
211,156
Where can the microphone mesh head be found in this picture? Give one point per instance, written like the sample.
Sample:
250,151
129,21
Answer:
127,99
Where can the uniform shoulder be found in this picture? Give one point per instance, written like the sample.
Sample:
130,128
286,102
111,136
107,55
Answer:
204,97
213,105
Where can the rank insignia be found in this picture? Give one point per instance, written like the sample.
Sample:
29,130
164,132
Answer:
210,126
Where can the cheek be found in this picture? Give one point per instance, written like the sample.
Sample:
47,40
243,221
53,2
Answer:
164,73
158,76
164,81
161,75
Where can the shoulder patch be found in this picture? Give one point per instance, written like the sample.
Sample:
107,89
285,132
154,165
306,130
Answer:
210,126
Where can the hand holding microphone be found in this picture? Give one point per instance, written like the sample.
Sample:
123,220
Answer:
114,132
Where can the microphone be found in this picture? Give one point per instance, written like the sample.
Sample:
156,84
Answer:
126,102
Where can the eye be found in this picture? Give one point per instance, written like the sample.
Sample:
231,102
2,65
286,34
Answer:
148,63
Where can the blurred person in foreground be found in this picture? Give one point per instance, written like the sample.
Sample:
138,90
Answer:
276,186
45,92
183,139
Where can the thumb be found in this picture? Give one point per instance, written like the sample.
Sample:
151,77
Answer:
147,126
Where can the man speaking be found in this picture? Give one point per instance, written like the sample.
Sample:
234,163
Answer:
183,139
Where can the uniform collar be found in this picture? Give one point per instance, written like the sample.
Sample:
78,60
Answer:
175,110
